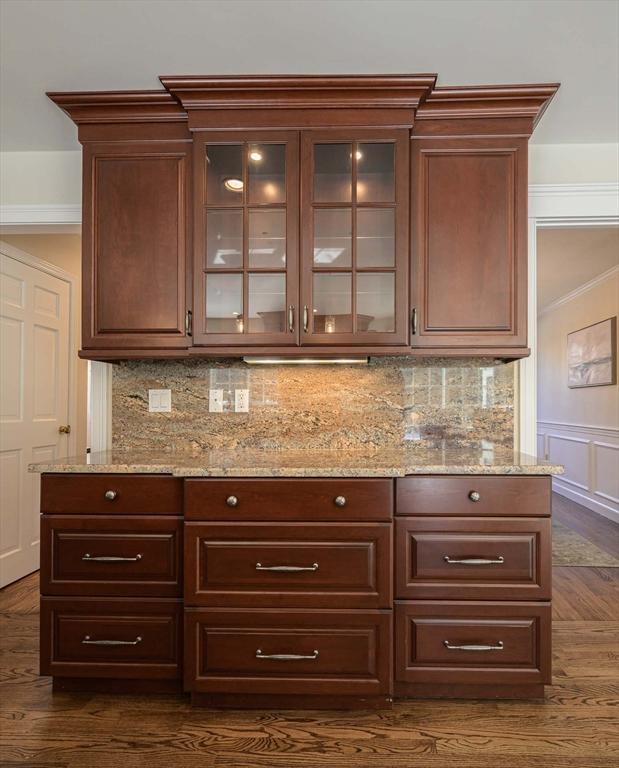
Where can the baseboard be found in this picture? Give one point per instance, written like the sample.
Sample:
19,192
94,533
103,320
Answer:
584,500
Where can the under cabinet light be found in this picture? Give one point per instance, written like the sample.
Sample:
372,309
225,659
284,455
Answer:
306,360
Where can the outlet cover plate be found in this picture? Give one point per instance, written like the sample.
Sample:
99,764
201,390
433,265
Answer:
241,400
216,400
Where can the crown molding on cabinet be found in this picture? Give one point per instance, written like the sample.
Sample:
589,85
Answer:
119,106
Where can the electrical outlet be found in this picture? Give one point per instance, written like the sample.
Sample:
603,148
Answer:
241,400
159,400
216,400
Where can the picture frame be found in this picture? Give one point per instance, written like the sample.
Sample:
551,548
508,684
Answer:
592,355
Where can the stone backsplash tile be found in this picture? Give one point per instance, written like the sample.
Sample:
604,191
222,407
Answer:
392,402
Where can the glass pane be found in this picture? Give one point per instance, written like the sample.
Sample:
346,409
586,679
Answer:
224,174
375,173
224,303
267,303
266,164
267,238
375,237
376,301
332,237
332,173
332,302
224,239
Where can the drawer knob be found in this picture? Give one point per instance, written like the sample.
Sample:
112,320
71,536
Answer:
87,641
232,501
474,496
111,495
497,647
286,656
340,501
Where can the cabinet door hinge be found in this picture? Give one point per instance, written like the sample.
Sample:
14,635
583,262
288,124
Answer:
189,323
414,321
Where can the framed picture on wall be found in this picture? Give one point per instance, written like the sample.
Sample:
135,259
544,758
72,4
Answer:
592,355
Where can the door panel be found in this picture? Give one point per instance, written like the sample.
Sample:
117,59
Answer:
245,239
354,223
34,396
135,242
469,235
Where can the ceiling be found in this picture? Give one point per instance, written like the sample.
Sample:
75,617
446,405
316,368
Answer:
64,45
569,257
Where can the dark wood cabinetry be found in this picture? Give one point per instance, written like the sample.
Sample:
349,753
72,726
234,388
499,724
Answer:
268,214
297,592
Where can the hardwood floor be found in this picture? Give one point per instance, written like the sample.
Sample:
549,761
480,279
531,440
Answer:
576,726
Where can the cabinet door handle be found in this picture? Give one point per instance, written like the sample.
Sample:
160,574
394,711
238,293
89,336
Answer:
189,323
291,319
497,647
287,568
305,318
286,656
414,321
499,560
88,641
110,558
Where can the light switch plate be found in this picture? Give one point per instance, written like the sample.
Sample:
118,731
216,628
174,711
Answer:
159,400
216,400
241,400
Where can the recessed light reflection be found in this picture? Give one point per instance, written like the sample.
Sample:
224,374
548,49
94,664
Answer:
255,155
358,155
233,185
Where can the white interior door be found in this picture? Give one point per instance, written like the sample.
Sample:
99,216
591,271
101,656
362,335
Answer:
34,402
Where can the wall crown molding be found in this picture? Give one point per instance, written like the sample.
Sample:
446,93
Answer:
597,280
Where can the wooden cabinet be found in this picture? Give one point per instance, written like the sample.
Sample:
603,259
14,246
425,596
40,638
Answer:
305,225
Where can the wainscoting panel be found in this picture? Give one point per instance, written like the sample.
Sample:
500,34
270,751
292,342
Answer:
591,459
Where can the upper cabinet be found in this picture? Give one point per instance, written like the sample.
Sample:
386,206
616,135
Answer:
329,214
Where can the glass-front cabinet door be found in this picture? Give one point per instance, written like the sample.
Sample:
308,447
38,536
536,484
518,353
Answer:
354,221
246,232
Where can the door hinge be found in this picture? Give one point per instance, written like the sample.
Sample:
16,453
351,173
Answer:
189,323
414,321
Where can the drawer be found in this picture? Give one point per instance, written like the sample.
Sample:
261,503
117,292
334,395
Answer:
448,558
132,494
289,565
98,555
288,652
275,500
118,638
472,643
495,495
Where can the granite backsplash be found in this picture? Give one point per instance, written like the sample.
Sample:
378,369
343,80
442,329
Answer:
391,402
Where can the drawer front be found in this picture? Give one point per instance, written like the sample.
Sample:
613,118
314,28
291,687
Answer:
288,652
275,500
85,637
97,555
126,494
472,643
473,558
478,495
288,565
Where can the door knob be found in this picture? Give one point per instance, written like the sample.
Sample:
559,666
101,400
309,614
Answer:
65,429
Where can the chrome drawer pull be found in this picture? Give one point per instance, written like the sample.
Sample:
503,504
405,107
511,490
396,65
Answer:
474,560
88,641
286,656
110,495
340,501
287,568
497,647
474,495
232,501
110,559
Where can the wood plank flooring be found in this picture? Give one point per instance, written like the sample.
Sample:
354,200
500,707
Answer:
576,726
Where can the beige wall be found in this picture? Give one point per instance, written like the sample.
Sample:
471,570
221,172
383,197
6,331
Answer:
573,163
594,406
63,251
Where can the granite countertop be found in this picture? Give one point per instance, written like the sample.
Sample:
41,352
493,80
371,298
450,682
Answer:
242,462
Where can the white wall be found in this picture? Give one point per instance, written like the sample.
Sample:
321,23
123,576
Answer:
573,163
579,427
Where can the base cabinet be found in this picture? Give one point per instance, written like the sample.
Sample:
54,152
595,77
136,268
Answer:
297,593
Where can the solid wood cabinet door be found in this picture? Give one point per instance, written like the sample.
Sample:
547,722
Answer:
354,223
469,277
246,204
136,217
